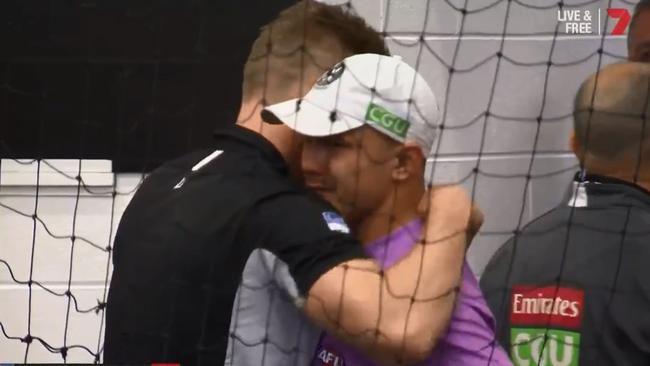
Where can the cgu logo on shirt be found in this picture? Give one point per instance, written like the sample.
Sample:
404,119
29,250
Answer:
545,325
327,357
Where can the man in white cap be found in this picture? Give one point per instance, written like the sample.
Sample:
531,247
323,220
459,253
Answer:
374,121
222,255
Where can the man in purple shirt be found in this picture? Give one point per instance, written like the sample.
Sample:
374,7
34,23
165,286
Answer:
374,120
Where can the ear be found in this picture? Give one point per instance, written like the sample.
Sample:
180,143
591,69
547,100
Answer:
573,142
410,162
575,146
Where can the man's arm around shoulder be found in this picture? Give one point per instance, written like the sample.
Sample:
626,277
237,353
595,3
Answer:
398,316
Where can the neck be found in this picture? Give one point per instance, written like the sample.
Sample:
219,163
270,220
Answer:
399,208
282,137
249,115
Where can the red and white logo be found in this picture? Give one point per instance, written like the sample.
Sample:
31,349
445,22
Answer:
593,20
623,20
546,306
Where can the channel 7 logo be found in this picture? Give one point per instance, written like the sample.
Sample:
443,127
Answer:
623,16
580,21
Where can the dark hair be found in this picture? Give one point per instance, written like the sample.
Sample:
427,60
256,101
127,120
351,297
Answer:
640,7
307,34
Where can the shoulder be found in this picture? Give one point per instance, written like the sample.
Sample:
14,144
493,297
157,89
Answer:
525,242
297,215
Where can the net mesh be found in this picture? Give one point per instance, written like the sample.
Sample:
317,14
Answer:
505,70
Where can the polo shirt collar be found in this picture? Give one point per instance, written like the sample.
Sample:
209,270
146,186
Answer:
253,140
594,190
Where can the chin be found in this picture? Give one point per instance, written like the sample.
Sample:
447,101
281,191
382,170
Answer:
330,197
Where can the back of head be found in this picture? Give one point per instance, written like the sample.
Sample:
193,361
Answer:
640,7
300,44
611,112
639,33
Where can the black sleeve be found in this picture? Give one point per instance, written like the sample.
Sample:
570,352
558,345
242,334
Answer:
495,288
628,303
305,234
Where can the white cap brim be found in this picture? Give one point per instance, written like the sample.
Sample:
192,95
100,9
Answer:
312,120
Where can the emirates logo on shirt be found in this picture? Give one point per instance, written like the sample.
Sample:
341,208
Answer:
554,306
545,325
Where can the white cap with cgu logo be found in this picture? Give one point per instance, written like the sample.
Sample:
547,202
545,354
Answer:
380,91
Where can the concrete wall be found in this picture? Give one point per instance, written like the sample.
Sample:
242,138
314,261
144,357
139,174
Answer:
505,147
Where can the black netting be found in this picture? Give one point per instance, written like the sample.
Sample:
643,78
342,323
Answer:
121,93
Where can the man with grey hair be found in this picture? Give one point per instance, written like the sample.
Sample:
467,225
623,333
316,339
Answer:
573,287
638,41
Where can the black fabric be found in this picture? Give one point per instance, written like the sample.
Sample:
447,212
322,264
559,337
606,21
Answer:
593,178
292,227
183,241
599,254
134,82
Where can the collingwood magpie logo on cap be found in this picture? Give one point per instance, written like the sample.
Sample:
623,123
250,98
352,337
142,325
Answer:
331,75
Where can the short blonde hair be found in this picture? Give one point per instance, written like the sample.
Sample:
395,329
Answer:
306,35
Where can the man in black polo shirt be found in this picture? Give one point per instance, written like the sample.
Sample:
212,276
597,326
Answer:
220,254
573,287
638,41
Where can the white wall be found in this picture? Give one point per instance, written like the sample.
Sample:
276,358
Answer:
63,213
508,198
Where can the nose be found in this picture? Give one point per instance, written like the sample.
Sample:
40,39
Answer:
314,161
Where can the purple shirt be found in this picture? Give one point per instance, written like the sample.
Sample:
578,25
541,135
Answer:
469,340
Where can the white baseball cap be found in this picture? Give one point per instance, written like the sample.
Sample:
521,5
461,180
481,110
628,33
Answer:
380,91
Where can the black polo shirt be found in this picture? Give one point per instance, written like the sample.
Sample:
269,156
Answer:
573,287
213,259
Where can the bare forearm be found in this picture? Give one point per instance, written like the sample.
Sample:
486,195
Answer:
399,315
435,270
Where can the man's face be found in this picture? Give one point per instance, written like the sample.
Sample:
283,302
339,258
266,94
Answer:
290,142
639,45
353,170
